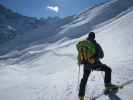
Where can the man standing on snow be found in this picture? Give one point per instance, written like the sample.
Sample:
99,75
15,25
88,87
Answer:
92,62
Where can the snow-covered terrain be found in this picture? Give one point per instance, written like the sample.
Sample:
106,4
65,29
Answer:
50,71
71,27
14,25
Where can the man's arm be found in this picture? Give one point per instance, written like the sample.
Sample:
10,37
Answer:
99,51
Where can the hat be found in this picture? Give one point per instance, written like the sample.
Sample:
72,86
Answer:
91,36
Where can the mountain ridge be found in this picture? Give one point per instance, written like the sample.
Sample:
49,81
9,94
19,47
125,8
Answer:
72,27
22,24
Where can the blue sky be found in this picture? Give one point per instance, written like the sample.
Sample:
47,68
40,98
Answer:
45,8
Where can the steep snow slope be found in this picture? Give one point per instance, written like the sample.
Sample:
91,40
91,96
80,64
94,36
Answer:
86,21
53,75
70,27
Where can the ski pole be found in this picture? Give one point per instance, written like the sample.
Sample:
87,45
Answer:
78,77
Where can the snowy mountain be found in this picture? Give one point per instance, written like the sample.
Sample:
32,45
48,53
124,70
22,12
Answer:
87,20
71,27
49,71
13,24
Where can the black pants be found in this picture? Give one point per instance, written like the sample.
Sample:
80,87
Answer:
87,69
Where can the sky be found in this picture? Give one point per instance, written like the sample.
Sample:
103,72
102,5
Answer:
45,8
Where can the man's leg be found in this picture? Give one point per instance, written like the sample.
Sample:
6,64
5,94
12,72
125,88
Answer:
109,87
83,82
107,70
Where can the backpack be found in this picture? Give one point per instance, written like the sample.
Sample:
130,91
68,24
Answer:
86,51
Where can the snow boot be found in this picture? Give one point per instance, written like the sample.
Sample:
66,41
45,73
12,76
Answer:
81,97
111,88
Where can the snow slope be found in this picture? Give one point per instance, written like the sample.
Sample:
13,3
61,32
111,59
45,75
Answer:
87,20
50,72
71,27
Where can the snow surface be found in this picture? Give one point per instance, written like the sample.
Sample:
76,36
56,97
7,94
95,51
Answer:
50,72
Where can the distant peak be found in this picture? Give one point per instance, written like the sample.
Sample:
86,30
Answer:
2,7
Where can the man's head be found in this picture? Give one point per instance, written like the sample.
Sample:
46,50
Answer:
91,36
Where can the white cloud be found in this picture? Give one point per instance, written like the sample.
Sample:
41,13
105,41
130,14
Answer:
53,8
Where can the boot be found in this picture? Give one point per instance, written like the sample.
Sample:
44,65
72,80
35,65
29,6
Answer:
111,88
81,97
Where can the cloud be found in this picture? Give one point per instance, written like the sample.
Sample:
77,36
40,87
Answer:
53,8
